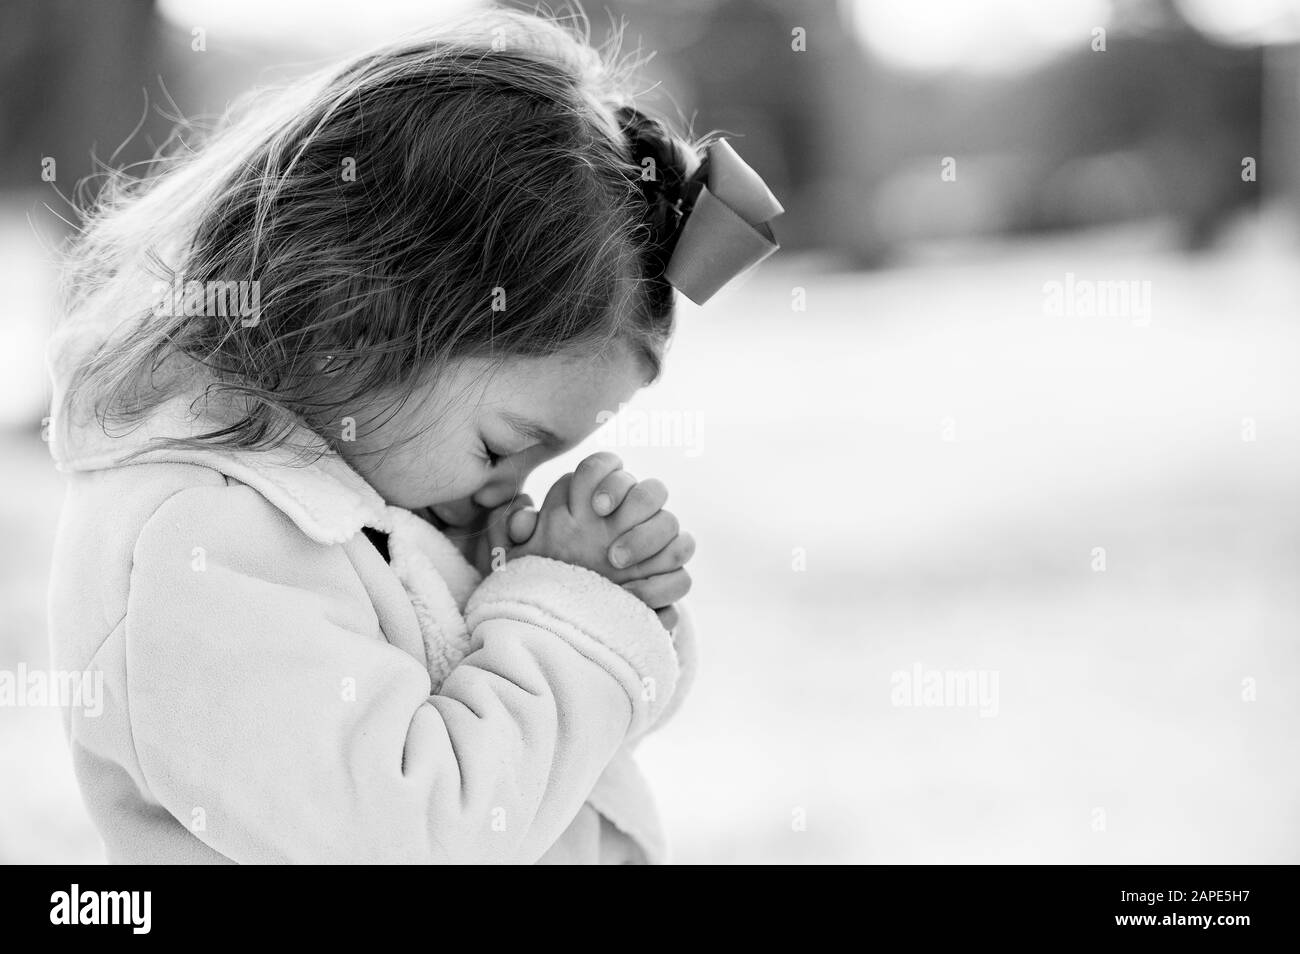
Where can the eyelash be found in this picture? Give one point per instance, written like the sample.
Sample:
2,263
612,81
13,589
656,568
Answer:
492,458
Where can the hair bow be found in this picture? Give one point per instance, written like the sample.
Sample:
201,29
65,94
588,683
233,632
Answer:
726,226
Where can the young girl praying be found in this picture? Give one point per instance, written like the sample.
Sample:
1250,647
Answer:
302,376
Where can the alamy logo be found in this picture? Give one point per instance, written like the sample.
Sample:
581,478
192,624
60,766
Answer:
946,688
102,907
657,427
23,687
1085,298
214,299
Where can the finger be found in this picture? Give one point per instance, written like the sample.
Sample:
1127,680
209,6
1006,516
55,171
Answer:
643,501
644,540
587,476
672,557
612,491
496,530
662,590
668,617
518,530
557,498
522,524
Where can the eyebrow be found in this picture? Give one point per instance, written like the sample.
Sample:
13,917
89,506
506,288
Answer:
530,429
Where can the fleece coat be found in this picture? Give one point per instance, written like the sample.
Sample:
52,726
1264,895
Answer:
275,692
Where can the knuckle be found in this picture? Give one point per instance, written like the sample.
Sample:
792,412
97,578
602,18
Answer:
611,482
621,479
656,489
599,461
684,547
641,538
639,496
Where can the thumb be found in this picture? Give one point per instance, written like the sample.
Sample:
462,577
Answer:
519,518
522,523
507,528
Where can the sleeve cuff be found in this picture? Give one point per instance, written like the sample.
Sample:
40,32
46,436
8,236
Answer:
688,663
599,618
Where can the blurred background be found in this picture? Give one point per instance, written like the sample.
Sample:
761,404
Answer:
916,437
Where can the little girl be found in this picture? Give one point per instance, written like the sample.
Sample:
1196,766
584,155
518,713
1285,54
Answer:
304,374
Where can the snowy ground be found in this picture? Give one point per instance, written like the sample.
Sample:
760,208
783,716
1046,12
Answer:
943,458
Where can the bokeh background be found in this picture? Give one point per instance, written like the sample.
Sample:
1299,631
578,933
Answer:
892,449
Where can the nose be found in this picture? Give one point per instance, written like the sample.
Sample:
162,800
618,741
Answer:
501,488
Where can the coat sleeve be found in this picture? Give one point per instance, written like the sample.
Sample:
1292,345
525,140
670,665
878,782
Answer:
687,650
271,717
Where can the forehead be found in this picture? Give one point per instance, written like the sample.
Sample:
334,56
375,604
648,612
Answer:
562,392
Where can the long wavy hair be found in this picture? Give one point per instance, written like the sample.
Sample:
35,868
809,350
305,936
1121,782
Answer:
470,191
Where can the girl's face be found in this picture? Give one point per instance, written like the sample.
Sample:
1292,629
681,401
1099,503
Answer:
464,444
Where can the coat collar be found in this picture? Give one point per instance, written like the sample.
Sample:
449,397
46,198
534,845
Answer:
325,498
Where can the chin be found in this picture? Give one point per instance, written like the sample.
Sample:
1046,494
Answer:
458,515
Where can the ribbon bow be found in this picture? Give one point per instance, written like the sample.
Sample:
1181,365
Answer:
726,230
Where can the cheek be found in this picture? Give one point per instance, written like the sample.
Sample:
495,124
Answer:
415,475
